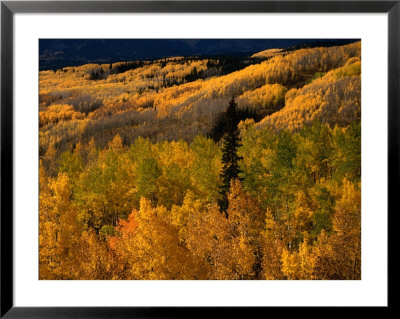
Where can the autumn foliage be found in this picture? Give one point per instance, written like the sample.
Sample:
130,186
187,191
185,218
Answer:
130,179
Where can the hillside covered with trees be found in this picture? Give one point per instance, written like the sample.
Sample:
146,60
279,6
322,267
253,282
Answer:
203,168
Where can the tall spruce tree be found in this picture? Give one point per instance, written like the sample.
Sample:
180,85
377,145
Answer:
230,157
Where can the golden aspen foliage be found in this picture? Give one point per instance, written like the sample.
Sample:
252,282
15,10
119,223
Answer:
272,248
268,53
228,245
246,221
175,160
180,215
333,98
205,169
49,160
269,97
116,144
299,264
92,151
130,168
58,230
154,250
56,113
209,240
339,255
93,258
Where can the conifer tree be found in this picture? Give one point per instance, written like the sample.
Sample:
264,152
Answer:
230,157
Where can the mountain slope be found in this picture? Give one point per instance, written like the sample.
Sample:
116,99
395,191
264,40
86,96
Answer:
179,98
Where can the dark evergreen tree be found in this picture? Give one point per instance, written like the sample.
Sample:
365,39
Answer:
230,158
220,125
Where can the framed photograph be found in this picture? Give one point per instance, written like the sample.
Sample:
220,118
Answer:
165,157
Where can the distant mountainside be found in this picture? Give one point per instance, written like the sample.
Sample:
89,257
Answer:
58,53
181,97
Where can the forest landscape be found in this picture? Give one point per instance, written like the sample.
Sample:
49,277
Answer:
200,159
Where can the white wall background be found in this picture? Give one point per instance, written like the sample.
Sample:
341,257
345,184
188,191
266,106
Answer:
371,290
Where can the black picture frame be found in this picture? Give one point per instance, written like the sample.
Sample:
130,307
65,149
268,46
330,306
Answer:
9,8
